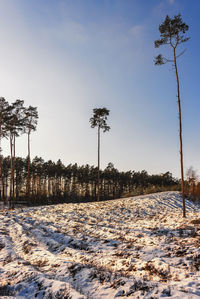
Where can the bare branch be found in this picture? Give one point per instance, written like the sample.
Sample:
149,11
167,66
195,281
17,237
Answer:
177,56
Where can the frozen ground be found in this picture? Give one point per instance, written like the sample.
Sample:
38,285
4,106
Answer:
139,247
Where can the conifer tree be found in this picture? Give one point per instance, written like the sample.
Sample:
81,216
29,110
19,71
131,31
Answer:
14,126
4,116
172,33
31,118
98,120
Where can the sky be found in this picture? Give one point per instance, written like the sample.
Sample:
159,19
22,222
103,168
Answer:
67,57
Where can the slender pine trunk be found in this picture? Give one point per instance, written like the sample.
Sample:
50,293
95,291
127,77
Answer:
6,187
180,134
28,183
11,167
1,172
98,182
3,190
49,187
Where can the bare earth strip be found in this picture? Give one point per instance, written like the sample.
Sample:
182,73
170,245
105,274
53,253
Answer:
138,247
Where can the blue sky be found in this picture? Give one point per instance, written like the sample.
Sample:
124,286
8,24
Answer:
67,57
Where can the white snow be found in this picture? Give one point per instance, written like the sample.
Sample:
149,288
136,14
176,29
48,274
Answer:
139,247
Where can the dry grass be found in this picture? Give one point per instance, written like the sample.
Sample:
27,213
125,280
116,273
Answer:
195,221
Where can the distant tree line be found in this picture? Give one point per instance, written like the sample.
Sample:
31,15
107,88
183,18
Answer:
52,182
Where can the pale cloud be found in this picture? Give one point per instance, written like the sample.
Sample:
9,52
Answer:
164,7
72,32
136,30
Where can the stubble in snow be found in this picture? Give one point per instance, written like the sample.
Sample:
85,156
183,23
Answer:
139,247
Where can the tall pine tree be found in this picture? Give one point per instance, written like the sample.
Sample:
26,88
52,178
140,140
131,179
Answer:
98,120
172,33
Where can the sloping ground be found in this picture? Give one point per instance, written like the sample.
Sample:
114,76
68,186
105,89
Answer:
139,247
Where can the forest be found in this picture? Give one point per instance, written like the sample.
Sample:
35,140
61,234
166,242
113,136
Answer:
38,182
52,182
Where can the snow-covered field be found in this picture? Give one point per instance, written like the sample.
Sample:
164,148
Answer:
139,247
